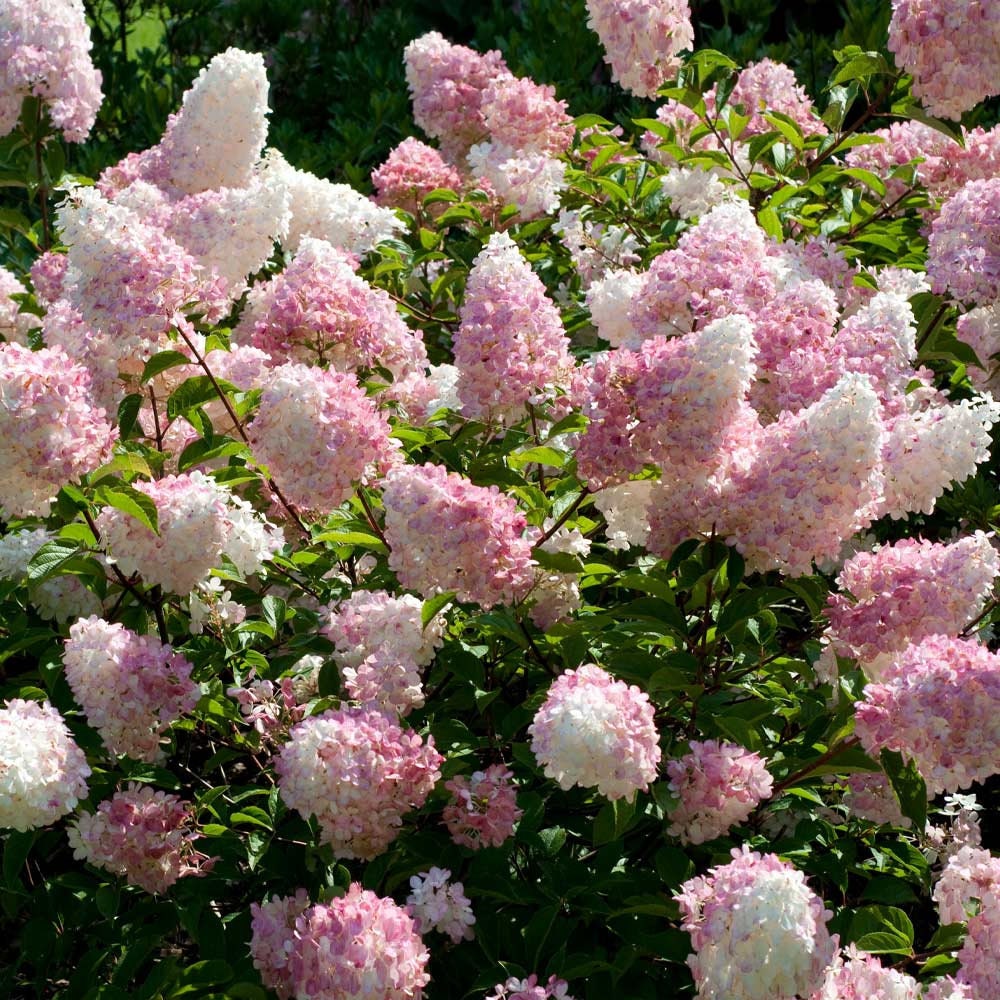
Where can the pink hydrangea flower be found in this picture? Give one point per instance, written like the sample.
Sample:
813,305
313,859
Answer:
437,904
411,172
595,731
319,435
719,785
532,181
530,989
903,592
445,533
859,976
447,83
214,140
43,773
357,947
936,705
771,86
14,324
47,275
45,51
381,646
669,403
318,311
869,796
969,875
952,50
979,955
358,772
642,40
51,433
272,709
131,687
511,348
963,252
144,834
526,117
483,808
758,931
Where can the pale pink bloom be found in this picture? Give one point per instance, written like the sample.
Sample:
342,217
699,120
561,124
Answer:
51,433
642,40
216,137
358,772
758,931
131,687
598,249
445,533
411,172
979,956
43,773
526,117
530,989
625,508
14,324
532,181
951,48
47,275
447,83
272,709
319,435
45,52
319,311
144,834
439,905
937,707
771,86
356,947
595,731
859,976
511,349
869,796
969,874
903,592
980,329
719,785
483,808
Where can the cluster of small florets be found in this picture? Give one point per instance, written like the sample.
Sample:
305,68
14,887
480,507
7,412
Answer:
358,772
951,48
446,84
642,40
962,255
131,687
271,708
357,947
599,250
215,138
43,773
332,212
45,52
595,731
530,989
319,435
319,311
903,592
381,646
532,181
144,834
445,533
511,348
969,874
936,705
668,403
50,431
526,117
870,796
719,785
757,930
771,86
439,905
411,172
859,976
483,808
14,324
978,956
191,510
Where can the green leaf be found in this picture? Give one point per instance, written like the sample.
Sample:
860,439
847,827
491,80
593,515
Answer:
909,786
16,848
541,455
128,413
194,392
433,605
161,362
882,930
746,604
613,820
274,610
50,558
130,501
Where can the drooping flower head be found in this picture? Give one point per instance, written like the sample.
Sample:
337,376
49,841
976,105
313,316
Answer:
758,931
642,40
435,903
142,833
358,772
43,773
131,687
446,533
595,731
356,947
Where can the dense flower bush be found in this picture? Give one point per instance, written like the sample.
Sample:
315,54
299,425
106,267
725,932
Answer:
570,572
